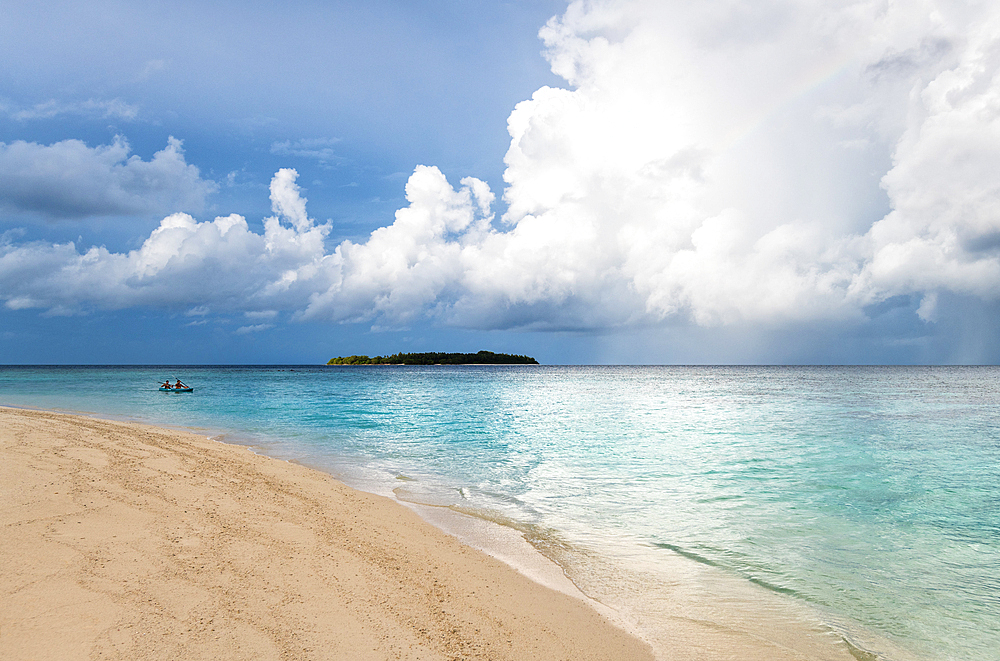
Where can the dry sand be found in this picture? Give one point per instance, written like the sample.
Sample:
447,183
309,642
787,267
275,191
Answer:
126,541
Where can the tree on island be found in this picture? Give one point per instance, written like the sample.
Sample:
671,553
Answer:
480,358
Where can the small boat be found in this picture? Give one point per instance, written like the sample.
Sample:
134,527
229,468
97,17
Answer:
180,387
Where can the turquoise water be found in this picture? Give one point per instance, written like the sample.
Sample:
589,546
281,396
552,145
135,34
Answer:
870,495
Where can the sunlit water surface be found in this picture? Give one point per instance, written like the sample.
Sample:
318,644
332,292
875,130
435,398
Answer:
867,498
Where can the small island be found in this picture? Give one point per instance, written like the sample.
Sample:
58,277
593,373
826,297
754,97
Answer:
480,358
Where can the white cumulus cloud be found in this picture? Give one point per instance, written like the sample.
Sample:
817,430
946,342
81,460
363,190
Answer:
183,264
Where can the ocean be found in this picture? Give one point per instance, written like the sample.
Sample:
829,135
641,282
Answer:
806,505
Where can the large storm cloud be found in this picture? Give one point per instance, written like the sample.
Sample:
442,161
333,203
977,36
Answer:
708,163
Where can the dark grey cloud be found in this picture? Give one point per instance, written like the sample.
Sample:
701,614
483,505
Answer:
69,180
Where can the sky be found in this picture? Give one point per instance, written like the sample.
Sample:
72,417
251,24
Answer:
604,181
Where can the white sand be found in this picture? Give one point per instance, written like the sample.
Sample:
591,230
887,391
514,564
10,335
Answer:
126,541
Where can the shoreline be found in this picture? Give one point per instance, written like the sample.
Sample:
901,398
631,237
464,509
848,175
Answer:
133,541
753,623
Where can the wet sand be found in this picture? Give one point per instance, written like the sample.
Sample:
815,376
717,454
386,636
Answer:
127,541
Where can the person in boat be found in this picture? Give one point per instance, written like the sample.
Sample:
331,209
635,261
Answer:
179,384
166,384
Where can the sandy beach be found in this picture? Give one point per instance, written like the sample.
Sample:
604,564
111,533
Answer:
127,541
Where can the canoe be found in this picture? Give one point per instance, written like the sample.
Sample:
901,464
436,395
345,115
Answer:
162,389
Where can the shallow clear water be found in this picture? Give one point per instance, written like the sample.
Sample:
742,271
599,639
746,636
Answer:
871,494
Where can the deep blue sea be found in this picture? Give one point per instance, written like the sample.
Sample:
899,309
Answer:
863,501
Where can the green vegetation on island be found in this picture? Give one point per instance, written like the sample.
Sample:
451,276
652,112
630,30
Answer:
480,358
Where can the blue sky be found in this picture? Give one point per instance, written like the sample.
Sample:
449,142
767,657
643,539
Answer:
627,181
